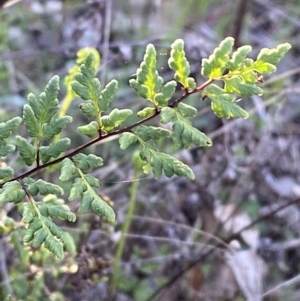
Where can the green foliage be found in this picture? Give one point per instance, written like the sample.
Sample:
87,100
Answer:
271,57
27,150
41,110
150,132
180,65
56,127
115,118
160,162
148,84
81,56
6,173
41,229
223,104
126,139
215,65
6,129
88,87
83,185
229,76
242,76
90,130
12,192
54,149
183,132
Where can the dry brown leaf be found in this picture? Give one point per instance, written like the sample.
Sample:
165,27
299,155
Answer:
248,269
233,220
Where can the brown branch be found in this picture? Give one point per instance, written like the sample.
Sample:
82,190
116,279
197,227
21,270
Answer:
238,23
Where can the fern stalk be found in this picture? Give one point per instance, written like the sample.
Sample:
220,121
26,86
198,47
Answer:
125,229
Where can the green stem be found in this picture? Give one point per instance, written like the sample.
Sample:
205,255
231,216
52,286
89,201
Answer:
125,229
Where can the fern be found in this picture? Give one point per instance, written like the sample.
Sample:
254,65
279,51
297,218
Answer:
44,121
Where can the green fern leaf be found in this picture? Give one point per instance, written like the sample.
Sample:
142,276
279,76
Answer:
56,211
147,82
267,59
77,189
140,89
6,173
249,76
180,65
80,89
91,200
32,189
92,181
41,111
215,65
41,230
223,103
107,95
186,110
235,84
53,241
115,118
165,94
35,105
185,134
81,184
223,106
273,56
100,207
83,188
81,56
86,201
54,246
30,121
168,115
34,225
6,149
12,192
54,149
264,67
89,89
85,162
28,213
49,101
161,162
88,109
55,127
83,88
69,244
126,139
85,85
45,188
146,112
68,170
39,237
90,130
150,132
6,128
27,151
236,63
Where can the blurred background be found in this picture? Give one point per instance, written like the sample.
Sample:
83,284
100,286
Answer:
233,234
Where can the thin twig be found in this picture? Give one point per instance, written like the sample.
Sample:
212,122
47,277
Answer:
105,47
4,271
238,23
